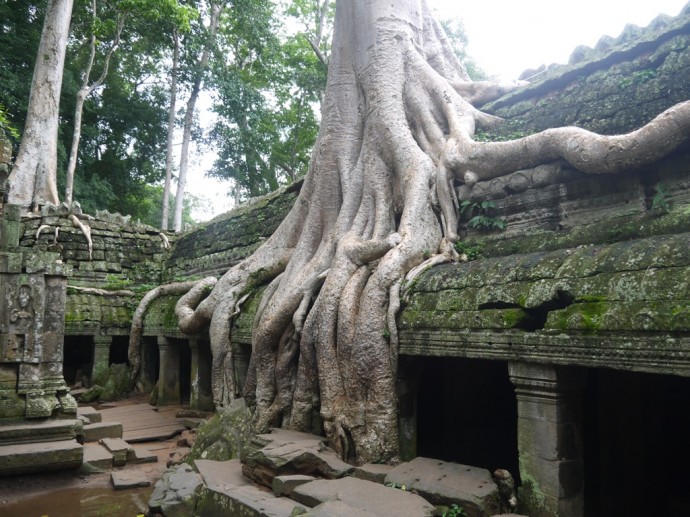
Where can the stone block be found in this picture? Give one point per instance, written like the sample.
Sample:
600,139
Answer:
40,457
97,457
97,431
122,452
122,480
285,485
363,496
91,414
444,483
44,431
373,472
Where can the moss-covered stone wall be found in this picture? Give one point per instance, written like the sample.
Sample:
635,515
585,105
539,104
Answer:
589,270
214,247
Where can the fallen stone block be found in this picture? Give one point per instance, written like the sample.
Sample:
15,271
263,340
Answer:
373,472
444,483
123,480
363,496
284,452
284,485
175,494
227,492
96,457
143,455
122,451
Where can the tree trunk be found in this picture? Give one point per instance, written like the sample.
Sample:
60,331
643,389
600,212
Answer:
189,117
84,92
33,180
396,134
171,130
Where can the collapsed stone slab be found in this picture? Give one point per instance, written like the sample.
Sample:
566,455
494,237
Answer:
362,496
444,483
284,452
227,492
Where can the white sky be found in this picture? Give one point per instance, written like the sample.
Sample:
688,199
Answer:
506,37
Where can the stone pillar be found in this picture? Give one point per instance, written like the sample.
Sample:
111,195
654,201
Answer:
408,388
169,376
200,396
101,354
550,442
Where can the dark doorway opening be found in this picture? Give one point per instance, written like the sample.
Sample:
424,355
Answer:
636,429
185,370
77,358
150,363
467,412
118,350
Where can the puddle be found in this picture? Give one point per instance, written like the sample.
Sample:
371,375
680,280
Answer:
83,502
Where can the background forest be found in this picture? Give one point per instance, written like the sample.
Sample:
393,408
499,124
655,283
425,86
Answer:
138,71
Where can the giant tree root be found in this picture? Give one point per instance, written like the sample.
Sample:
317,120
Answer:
396,136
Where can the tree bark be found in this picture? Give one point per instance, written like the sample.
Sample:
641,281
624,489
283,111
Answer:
84,92
171,130
189,116
396,135
33,180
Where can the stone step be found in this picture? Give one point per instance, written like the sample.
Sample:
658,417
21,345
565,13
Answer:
122,451
90,413
30,431
40,457
123,480
99,430
97,457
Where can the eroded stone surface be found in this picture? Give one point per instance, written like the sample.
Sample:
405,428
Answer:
362,496
284,452
175,494
227,492
440,482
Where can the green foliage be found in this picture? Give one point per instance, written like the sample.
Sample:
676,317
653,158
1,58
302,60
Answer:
455,30
661,203
483,218
6,125
117,282
472,250
451,511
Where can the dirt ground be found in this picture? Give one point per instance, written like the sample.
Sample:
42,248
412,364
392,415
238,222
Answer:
67,493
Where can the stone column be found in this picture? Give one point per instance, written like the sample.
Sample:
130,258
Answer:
200,397
169,376
550,442
101,354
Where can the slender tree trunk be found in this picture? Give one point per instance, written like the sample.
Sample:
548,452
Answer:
84,92
171,130
33,180
189,117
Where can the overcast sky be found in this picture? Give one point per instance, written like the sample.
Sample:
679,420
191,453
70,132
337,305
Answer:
507,37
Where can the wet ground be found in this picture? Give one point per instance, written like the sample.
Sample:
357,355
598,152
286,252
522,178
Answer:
76,494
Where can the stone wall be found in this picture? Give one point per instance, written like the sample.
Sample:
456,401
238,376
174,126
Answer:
212,248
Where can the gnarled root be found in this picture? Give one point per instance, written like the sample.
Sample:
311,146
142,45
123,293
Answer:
134,350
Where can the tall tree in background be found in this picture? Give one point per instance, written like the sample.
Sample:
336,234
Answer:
198,72
33,180
165,204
